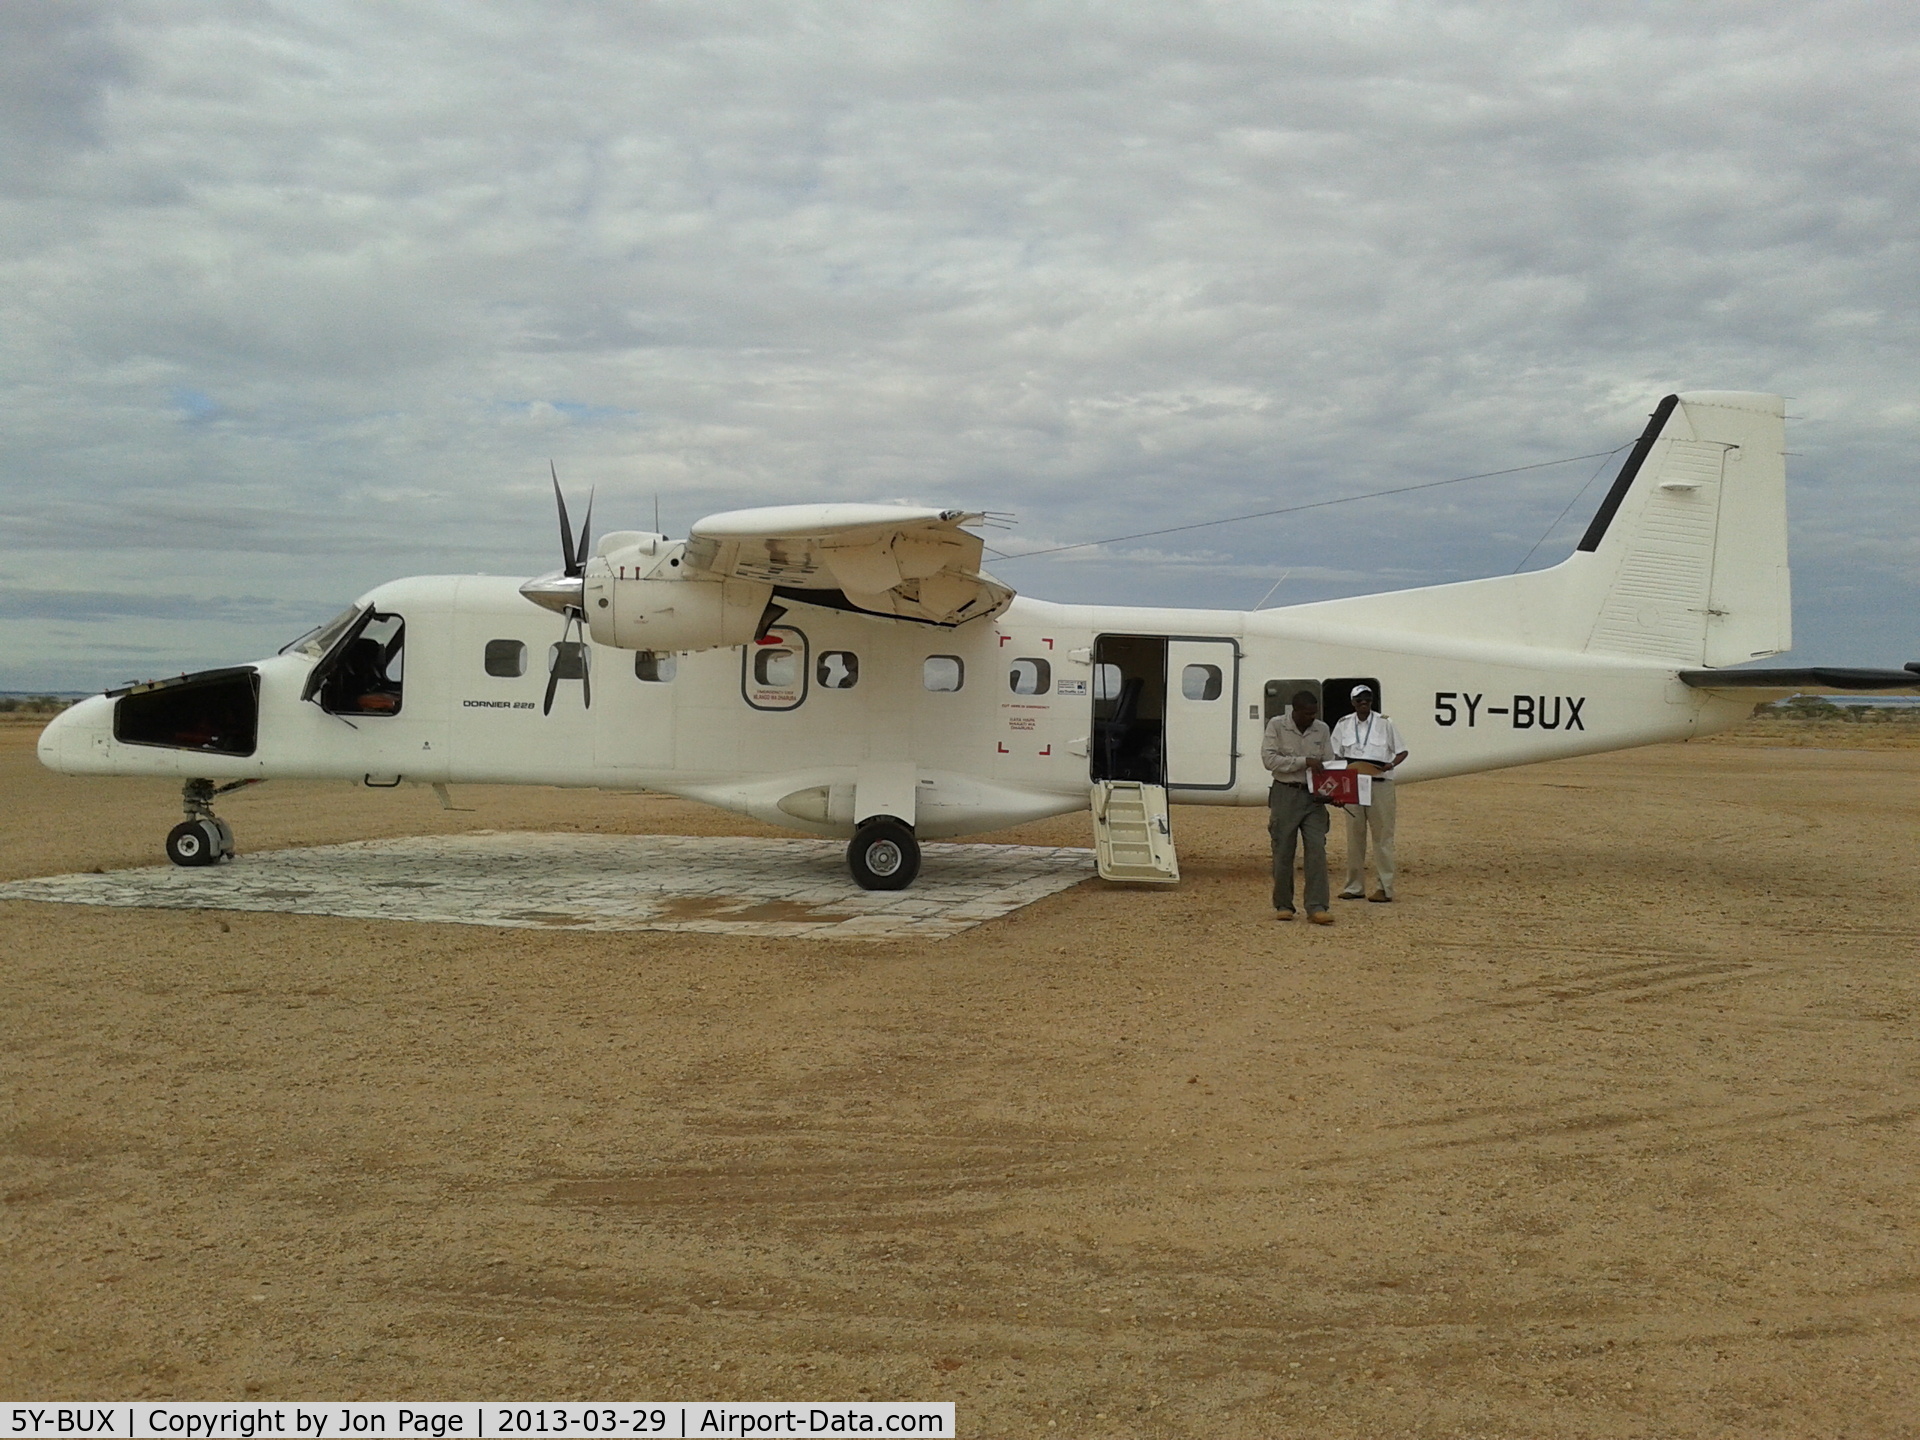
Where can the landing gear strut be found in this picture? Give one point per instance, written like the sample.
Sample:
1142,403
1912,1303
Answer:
884,855
203,838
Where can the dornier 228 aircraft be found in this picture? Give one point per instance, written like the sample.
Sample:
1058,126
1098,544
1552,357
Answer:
852,671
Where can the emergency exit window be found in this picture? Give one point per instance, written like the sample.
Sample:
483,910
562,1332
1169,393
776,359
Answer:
943,672
1029,676
1201,682
777,668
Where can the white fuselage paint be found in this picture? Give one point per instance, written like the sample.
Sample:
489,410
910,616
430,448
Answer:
976,759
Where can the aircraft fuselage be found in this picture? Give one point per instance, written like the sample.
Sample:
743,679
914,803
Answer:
995,722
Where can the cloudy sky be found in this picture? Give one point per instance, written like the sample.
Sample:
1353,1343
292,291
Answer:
299,297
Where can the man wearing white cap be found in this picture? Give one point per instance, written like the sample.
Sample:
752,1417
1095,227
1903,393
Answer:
1370,743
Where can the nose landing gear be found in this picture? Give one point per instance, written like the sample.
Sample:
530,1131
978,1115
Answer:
203,838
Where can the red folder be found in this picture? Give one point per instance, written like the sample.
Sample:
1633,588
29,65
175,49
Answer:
1336,787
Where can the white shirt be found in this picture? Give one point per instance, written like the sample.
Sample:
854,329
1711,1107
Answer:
1376,738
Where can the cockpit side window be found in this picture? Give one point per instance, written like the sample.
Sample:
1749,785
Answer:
367,677
317,641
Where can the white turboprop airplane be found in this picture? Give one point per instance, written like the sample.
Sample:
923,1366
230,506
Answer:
851,671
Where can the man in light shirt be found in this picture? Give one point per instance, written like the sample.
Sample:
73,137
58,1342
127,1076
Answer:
1369,742
1295,742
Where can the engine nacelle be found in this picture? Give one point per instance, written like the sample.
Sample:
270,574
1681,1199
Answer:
638,596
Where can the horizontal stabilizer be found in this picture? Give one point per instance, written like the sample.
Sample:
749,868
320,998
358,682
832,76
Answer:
1817,680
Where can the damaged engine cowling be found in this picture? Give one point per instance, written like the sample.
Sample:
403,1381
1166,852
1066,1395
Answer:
638,594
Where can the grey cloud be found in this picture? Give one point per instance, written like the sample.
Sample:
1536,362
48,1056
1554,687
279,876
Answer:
58,60
1145,264
92,605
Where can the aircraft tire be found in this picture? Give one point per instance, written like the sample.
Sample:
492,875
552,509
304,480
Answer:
194,842
883,855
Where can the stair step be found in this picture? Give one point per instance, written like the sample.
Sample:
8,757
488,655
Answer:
1133,835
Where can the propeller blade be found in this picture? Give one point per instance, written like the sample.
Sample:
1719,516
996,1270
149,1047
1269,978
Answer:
553,684
571,566
585,656
586,532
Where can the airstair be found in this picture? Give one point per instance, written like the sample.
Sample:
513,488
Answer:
1133,839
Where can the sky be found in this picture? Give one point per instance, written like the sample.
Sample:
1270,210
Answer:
296,298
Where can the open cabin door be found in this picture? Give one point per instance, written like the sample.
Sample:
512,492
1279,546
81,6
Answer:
1203,695
1163,717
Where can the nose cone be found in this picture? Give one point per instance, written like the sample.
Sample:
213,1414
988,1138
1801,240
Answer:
556,592
67,742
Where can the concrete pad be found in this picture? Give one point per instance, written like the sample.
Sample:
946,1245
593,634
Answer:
716,885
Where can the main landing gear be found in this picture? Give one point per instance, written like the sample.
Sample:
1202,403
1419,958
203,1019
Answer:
883,854
203,838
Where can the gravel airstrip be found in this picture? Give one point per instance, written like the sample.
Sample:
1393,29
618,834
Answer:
1608,1127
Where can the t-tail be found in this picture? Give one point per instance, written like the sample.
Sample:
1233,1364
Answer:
1684,563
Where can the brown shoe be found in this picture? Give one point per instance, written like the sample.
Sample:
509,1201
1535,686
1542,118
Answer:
1380,897
1283,914
1320,917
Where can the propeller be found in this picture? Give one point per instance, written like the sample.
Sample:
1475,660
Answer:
574,556
566,592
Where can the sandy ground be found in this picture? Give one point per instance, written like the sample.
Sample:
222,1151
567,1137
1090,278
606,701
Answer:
1901,733
1607,1128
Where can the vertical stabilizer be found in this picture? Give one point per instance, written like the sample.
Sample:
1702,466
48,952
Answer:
1689,550
1685,562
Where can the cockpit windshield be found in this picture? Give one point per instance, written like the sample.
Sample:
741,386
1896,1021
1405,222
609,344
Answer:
317,641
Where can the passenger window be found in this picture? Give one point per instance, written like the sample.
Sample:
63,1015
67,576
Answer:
1336,696
1030,677
1201,682
943,672
568,659
654,668
839,670
1278,695
366,679
506,659
1106,682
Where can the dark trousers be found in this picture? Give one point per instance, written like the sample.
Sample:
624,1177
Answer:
1292,815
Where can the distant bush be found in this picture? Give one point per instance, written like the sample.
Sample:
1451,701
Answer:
32,704
1814,707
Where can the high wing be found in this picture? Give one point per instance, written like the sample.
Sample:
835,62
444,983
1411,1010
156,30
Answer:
897,560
